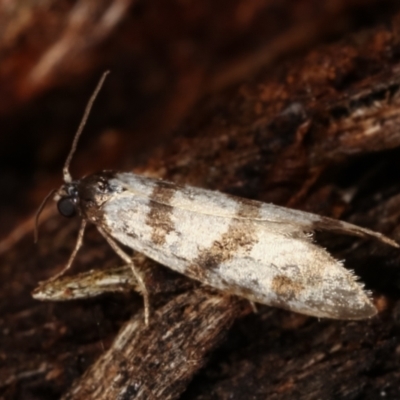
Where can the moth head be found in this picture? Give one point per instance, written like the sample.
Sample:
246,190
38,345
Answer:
85,197
68,197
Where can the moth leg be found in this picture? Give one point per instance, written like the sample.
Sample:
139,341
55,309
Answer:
78,245
137,275
253,306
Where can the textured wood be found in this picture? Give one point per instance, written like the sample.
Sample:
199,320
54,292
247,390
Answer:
316,128
158,361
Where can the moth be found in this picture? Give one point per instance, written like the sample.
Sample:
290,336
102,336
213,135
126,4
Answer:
262,252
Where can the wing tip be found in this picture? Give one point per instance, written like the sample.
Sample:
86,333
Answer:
329,224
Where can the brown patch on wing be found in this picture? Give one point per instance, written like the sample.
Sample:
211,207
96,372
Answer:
239,235
286,288
159,217
248,208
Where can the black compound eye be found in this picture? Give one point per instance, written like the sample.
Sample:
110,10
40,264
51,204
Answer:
67,207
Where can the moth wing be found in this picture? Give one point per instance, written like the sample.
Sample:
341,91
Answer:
251,249
207,202
293,274
301,220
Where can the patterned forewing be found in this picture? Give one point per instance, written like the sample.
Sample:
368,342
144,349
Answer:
191,232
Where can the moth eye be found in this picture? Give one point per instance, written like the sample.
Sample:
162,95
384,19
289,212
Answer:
67,207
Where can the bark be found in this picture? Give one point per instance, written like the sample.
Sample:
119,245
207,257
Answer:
294,103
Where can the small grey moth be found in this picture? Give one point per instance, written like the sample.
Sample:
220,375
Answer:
259,251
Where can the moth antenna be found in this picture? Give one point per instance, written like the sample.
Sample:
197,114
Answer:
38,212
66,174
